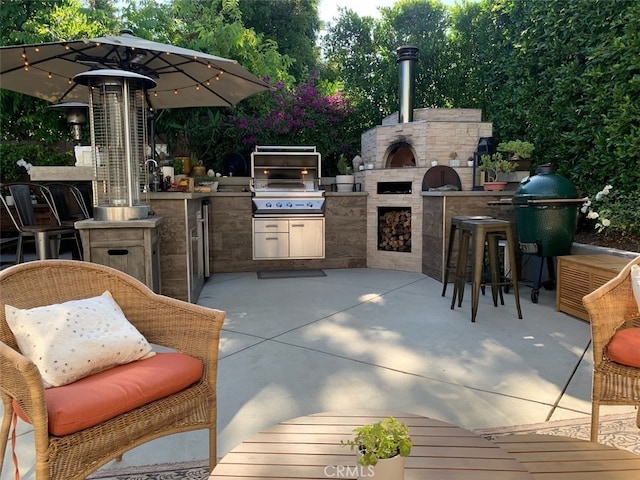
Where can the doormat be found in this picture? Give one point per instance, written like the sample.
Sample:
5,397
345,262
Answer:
269,274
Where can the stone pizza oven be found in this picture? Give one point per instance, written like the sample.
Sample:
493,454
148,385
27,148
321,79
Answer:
397,155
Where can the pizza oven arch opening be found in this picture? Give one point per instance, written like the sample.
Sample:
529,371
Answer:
399,155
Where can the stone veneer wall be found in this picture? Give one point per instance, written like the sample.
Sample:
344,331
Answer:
173,244
231,242
405,261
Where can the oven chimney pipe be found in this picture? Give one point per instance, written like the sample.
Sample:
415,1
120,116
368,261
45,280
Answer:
407,58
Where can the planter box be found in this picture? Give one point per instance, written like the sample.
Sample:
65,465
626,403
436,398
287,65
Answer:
579,275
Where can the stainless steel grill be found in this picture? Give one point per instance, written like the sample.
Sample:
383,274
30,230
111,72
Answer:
286,181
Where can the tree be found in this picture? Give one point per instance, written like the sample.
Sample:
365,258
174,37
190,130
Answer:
292,24
362,53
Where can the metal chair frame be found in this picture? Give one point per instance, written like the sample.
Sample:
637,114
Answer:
47,237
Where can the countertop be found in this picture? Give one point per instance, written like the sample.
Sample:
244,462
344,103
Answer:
468,193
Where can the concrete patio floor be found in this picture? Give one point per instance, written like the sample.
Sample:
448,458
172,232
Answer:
377,339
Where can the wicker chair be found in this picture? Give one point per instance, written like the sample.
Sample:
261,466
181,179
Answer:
612,307
188,328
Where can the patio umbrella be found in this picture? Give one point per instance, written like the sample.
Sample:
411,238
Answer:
185,78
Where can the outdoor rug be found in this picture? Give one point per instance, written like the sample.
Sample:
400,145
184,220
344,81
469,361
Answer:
618,431
269,274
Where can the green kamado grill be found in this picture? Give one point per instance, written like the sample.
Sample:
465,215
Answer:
546,210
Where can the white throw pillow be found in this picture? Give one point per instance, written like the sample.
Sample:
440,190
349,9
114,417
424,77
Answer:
635,283
72,340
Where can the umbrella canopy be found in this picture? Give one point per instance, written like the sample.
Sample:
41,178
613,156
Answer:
185,78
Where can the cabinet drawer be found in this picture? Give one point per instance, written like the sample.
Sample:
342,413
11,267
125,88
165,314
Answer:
270,225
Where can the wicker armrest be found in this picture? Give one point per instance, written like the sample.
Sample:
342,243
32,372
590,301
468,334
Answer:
21,381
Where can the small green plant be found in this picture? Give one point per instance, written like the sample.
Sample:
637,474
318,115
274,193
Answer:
516,149
343,165
495,164
377,441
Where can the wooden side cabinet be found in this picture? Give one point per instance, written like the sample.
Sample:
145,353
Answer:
130,246
579,275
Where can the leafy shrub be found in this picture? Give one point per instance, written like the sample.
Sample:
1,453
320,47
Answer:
35,154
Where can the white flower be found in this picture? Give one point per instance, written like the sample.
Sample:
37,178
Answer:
27,166
599,195
585,206
592,215
606,222
607,189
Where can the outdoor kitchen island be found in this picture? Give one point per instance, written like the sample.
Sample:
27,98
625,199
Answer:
231,238
440,206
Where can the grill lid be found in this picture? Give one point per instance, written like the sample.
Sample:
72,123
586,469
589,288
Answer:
545,185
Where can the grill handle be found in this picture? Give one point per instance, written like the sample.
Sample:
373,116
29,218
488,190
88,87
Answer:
558,200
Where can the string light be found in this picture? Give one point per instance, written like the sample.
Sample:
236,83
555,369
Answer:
37,49
155,94
198,87
175,92
49,75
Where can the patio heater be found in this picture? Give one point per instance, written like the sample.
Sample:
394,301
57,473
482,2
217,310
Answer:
76,117
118,113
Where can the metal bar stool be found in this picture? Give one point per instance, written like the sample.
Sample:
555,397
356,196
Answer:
454,227
492,243
477,234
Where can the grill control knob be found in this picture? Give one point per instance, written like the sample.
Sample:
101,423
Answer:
289,204
310,204
278,204
268,204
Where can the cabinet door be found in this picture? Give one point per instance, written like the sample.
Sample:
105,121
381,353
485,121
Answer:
306,238
270,245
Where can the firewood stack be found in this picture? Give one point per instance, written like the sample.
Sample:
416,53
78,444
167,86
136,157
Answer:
395,231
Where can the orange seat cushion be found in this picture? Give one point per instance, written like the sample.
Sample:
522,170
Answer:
624,347
105,395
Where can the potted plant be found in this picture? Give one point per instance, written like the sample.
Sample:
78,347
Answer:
382,447
493,165
345,179
518,151
197,166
